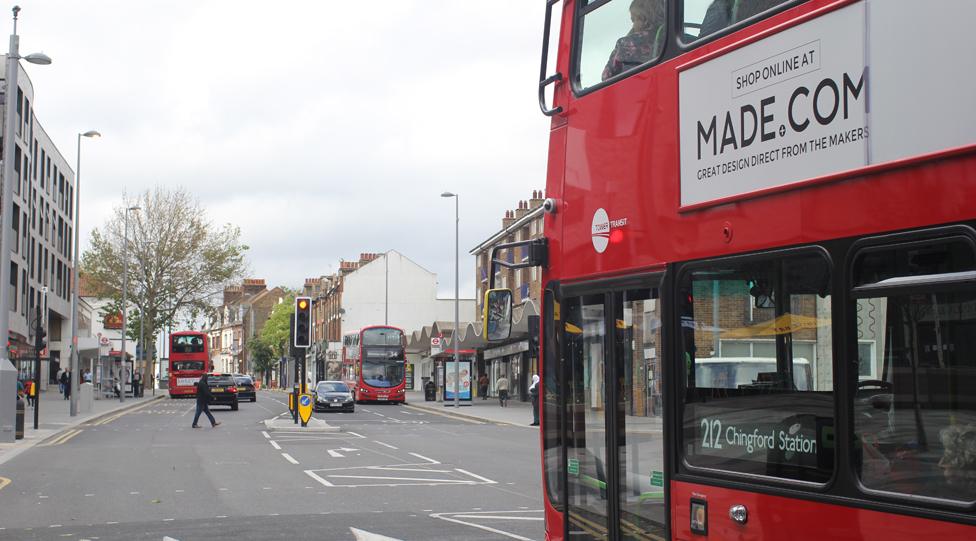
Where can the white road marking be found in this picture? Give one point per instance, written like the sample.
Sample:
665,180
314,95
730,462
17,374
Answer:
449,517
289,458
362,535
385,444
447,481
485,479
355,434
499,517
315,476
335,454
265,434
422,457
275,445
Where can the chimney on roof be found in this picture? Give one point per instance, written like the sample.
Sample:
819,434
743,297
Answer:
522,210
536,200
253,286
233,294
508,219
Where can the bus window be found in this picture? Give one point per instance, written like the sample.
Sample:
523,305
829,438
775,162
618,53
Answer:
705,17
915,418
619,36
757,349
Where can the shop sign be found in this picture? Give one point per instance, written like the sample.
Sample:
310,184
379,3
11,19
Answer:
507,349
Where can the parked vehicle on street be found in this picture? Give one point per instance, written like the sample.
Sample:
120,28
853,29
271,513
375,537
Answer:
245,388
333,396
224,390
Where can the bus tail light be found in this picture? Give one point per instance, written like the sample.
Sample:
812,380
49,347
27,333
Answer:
232,389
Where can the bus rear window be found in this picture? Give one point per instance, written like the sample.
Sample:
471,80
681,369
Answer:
188,344
759,370
188,365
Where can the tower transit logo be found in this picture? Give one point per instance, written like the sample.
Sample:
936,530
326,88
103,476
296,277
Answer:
604,230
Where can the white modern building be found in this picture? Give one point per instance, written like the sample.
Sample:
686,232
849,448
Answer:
41,255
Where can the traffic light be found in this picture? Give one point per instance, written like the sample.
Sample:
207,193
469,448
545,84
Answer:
533,324
39,339
303,323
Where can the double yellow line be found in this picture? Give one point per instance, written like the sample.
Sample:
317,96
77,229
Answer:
60,438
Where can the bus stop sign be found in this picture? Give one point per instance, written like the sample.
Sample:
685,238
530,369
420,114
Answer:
305,407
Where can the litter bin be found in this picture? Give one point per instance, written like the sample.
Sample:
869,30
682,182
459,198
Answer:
19,425
430,391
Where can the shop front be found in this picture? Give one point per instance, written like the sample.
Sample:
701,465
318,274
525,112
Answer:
511,361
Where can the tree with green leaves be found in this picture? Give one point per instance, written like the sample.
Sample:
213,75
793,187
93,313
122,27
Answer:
261,355
178,261
277,330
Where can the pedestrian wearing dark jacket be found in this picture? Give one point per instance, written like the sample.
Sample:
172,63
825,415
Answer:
204,397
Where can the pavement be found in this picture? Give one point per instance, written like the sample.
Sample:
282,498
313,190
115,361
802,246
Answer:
54,419
516,413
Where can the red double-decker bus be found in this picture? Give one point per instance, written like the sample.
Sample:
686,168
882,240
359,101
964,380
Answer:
374,364
189,359
760,282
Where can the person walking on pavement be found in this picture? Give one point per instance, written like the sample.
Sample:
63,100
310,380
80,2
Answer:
534,395
65,381
501,385
483,386
204,397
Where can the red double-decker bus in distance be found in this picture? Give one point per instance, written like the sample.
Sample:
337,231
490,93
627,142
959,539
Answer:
759,302
189,359
373,364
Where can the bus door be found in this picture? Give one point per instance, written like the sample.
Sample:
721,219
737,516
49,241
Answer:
613,426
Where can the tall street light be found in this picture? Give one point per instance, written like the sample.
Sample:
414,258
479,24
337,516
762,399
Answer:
74,278
457,324
9,145
125,290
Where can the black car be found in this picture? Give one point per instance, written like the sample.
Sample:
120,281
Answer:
224,390
245,388
333,396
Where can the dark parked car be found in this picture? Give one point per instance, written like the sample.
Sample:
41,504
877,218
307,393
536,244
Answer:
245,388
333,395
224,390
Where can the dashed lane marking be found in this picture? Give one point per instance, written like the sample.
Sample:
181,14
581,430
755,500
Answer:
385,444
289,458
275,445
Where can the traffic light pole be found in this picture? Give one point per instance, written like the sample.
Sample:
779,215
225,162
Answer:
38,346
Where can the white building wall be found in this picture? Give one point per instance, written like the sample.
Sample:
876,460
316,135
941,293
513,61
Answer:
409,289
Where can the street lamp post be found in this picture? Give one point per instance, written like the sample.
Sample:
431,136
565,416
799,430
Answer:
74,279
9,145
125,290
457,324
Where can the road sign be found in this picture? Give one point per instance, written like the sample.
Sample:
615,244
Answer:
305,407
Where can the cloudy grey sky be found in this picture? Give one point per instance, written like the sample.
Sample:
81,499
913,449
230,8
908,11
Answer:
323,128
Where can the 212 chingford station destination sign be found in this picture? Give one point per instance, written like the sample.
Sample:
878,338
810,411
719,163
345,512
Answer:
788,108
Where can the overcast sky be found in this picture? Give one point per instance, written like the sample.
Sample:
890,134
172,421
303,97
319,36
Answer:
322,128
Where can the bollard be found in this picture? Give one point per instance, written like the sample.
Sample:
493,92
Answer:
19,426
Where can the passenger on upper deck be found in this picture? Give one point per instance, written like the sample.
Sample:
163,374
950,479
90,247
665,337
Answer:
645,40
723,13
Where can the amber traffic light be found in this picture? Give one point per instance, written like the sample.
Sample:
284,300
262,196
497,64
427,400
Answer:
303,322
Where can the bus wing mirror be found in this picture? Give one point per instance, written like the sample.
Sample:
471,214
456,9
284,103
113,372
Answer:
498,314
